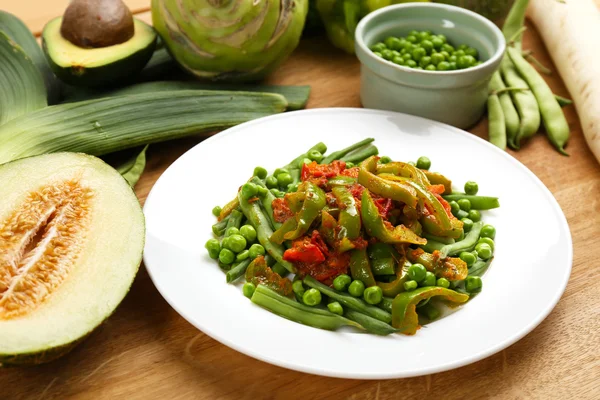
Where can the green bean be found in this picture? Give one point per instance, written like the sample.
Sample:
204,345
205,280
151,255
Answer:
320,147
297,312
337,155
371,324
237,270
432,245
467,244
235,220
260,222
386,304
279,269
220,227
525,102
267,202
440,239
429,311
480,267
563,101
496,122
349,301
360,155
557,128
477,202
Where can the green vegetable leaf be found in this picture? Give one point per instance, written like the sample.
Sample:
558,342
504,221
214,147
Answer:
133,168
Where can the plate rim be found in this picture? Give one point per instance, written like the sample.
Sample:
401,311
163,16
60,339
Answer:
314,370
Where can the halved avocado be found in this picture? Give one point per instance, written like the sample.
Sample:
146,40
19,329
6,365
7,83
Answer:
81,66
71,241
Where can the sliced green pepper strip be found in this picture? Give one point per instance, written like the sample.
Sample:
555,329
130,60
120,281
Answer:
349,218
360,268
314,201
405,170
383,230
383,258
328,232
453,269
404,307
391,289
341,180
399,191
430,225
441,217
436,178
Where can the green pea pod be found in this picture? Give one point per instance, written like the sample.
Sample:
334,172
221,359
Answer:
383,258
435,178
341,180
360,268
391,289
404,307
293,228
403,169
349,218
399,191
383,230
453,269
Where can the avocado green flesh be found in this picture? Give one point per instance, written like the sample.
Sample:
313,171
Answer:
97,66
105,264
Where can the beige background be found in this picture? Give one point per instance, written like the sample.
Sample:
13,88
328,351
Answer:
146,350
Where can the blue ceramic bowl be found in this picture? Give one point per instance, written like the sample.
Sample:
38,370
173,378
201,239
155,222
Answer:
455,97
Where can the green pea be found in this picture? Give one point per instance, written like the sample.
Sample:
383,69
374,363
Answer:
443,66
427,45
407,46
350,164
277,193
462,47
242,255
459,53
443,282
398,60
417,272
378,54
249,190
413,33
410,285
377,47
473,284
385,160
262,191
248,232
260,172
488,231
256,250
292,187
437,43
484,251
464,204
425,61
214,247
424,35
281,171
418,53
284,179
452,59
341,282
271,182
445,54
373,295
437,58
431,67
236,243
453,66
471,52
232,230
423,163
411,63
448,48
488,241
419,67
388,41
474,215
468,258
315,155
298,287
429,279
336,308
474,252
395,53
387,54
442,37
226,256
411,39
471,187
248,289
311,297
454,207
356,288
216,211
467,224
407,56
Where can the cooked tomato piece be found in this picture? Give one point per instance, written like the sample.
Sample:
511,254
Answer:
351,172
304,251
281,210
320,173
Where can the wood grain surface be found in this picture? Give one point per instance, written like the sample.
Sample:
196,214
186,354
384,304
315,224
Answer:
147,351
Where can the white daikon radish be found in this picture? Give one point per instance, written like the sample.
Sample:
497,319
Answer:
571,32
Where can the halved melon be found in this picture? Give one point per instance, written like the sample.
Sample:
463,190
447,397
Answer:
71,241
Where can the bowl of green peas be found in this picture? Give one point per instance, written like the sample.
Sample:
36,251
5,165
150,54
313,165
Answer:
430,60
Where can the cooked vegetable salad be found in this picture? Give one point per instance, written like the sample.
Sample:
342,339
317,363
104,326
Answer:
354,239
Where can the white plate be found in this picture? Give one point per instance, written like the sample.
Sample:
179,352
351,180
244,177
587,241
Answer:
524,283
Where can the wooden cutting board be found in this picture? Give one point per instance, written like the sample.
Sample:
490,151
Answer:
147,351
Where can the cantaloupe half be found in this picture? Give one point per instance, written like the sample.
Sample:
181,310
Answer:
71,241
